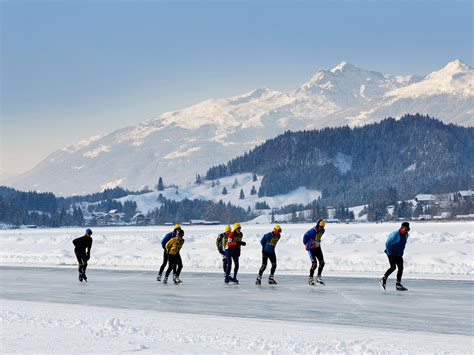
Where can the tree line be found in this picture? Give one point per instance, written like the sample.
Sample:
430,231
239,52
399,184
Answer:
351,165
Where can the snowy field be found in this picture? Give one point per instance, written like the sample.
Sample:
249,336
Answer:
44,309
443,250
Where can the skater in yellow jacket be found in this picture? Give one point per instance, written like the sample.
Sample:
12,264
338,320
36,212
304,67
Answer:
172,248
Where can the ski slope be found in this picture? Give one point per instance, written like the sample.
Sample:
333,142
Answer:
48,310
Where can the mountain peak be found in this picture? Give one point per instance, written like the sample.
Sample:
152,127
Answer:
343,66
455,66
454,69
261,92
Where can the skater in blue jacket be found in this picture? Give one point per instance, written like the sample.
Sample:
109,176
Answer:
394,248
269,242
312,243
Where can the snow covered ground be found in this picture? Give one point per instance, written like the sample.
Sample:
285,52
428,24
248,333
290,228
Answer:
434,249
212,190
44,309
127,311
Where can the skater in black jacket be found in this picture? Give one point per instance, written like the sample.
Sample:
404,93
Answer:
82,249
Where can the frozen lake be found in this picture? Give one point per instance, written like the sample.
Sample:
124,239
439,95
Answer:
429,306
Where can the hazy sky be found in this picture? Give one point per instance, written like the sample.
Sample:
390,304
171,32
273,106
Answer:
73,69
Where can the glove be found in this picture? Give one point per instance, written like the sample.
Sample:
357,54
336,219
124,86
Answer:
243,243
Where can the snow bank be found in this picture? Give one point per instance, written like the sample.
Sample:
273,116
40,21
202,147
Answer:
432,249
33,327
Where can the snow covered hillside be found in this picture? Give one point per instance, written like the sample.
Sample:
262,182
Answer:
177,145
209,190
433,248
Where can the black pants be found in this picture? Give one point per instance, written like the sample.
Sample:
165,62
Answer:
82,259
395,262
316,254
175,264
273,260
165,261
224,262
232,255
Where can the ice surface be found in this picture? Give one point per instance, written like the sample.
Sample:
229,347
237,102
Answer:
48,310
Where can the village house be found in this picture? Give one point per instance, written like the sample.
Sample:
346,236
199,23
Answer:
425,200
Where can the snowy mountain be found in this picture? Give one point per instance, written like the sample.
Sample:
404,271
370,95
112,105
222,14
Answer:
177,145
449,92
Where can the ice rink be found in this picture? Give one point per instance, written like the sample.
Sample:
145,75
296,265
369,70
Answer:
429,305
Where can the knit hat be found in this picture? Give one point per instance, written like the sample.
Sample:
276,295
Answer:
406,226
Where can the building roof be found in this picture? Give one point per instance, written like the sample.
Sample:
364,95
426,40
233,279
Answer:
425,197
467,193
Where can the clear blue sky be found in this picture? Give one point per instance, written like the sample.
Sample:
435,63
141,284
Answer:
73,69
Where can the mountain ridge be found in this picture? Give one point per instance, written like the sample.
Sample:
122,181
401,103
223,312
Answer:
177,145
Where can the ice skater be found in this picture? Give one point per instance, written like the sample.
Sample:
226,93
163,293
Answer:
394,248
269,242
172,249
312,242
234,241
221,243
82,249
166,239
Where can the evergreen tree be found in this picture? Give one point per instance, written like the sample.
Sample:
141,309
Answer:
160,185
253,191
262,206
254,177
224,191
242,195
293,217
77,217
129,209
403,210
235,184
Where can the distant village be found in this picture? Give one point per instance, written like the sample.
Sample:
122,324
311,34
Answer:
444,206
425,207
454,206
116,218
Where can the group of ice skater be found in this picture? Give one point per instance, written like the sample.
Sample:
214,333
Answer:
229,244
